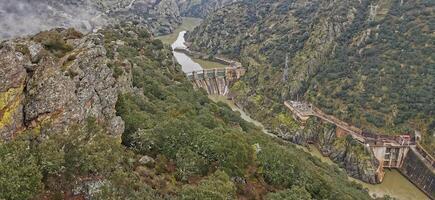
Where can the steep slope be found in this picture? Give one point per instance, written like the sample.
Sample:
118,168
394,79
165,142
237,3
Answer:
201,8
367,62
61,88
22,17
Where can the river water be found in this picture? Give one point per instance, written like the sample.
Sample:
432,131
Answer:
187,64
394,183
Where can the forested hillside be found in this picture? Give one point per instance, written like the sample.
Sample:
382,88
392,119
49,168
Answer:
201,8
368,62
177,144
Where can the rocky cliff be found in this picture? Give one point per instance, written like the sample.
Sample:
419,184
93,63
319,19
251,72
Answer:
359,162
24,17
350,155
56,78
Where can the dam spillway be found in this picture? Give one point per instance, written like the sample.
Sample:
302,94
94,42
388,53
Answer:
215,81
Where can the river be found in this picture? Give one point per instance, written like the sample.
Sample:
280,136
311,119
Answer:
394,183
187,63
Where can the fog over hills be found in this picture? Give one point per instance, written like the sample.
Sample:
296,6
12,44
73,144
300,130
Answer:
24,17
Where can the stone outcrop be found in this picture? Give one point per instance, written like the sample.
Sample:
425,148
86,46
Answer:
12,81
350,155
47,91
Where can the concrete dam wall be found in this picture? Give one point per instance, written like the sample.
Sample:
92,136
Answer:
419,173
215,81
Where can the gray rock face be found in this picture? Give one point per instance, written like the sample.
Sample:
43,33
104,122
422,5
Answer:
358,162
146,160
59,92
12,81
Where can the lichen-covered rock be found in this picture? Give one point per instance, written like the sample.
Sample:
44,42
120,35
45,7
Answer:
12,81
59,91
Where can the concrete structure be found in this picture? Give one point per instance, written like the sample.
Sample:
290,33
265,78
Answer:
216,81
303,111
390,151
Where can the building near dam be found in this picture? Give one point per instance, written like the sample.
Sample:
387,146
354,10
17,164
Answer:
400,152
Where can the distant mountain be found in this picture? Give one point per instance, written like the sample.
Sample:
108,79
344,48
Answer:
369,62
22,17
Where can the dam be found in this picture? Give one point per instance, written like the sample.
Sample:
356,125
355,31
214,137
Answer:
215,81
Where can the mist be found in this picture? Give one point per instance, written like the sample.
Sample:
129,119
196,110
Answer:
24,17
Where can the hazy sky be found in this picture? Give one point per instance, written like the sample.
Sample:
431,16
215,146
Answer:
23,17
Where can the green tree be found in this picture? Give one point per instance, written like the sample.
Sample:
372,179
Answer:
217,187
295,193
189,164
20,175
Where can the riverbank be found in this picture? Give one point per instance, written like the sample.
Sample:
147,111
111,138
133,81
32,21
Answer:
176,40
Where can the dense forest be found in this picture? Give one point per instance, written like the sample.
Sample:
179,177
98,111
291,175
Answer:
368,62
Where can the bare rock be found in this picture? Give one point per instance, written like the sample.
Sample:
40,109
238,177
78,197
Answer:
59,92
146,160
12,81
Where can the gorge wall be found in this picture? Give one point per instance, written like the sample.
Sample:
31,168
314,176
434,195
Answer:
350,155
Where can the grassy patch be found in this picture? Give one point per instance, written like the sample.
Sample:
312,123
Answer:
207,64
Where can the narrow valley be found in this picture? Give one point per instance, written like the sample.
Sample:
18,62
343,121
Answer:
394,183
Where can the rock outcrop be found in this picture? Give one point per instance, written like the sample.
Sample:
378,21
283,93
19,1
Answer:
350,155
12,82
49,84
